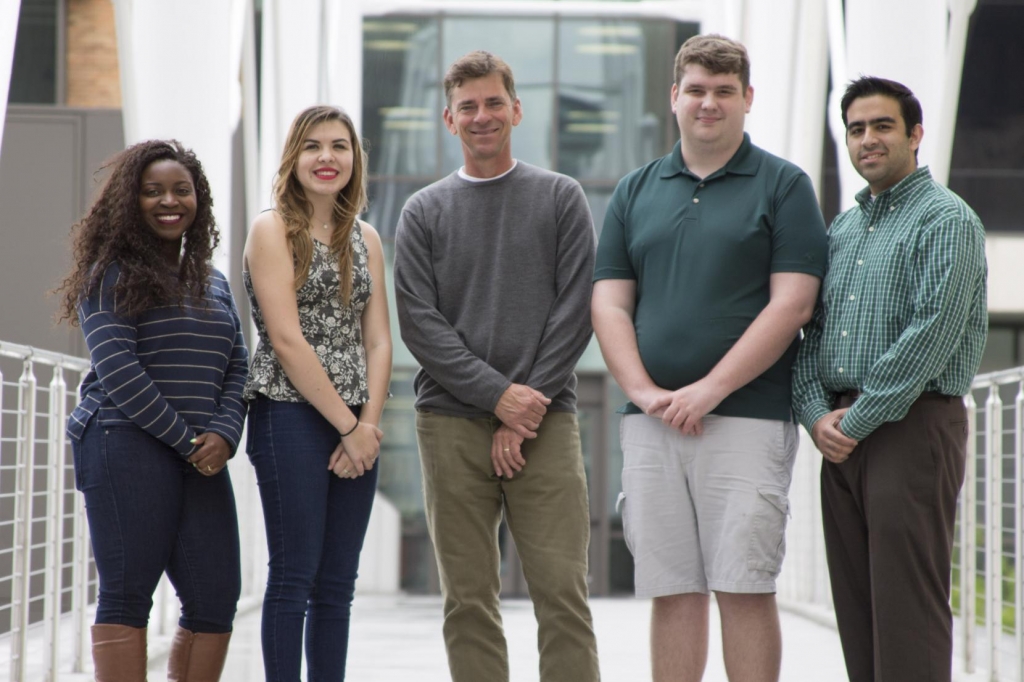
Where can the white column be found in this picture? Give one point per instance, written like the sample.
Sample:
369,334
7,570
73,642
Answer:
771,40
959,20
9,10
725,17
788,51
304,65
290,77
345,58
809,91
191,93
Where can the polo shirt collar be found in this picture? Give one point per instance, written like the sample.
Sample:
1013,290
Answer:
898,191
745,161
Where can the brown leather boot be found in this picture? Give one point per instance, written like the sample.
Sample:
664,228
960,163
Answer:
119,653
197,656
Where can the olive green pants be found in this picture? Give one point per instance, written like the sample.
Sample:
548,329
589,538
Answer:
545,506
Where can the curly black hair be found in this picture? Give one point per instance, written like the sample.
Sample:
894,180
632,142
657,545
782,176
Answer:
113,231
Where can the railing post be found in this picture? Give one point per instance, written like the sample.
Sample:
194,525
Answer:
1018,515
993,527
55,461
80,595
80,575
21,584
968,537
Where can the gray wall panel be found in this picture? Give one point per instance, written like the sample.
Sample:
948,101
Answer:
46,180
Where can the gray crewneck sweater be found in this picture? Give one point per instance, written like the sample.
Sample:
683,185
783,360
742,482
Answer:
492,285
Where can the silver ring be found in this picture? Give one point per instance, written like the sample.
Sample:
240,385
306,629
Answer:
507,450
344,471
209,469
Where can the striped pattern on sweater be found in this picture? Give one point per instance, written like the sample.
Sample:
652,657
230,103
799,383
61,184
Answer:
173,371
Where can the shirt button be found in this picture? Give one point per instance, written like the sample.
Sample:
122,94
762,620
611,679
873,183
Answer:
892,208
696,200
871,229
701,185
840,370
844,333
852,297
860,261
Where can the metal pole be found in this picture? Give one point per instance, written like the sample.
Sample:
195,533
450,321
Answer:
55,521
968,537
79,571
21,584
1018,515
80,594
993,526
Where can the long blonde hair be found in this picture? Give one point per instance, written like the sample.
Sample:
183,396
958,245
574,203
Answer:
297,212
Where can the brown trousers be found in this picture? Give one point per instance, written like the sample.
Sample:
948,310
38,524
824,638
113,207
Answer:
889,512
546,508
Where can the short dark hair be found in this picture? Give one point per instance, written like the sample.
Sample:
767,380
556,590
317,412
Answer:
866,86
717,54
477,64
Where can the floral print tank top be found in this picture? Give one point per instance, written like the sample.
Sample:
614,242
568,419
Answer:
333,330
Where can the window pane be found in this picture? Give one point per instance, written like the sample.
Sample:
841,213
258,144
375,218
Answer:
598,198
387,198
402,103
34,72
528,46
614,79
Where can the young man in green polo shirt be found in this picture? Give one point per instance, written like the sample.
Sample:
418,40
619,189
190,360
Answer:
708,265
878,383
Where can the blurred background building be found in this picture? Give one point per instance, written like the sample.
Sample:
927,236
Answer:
90,76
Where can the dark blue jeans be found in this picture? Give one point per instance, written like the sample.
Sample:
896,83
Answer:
150,511
316,523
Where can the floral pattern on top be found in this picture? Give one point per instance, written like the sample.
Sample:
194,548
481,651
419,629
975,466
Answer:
333,330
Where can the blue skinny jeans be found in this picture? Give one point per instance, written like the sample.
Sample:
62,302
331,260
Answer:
315,524
150,511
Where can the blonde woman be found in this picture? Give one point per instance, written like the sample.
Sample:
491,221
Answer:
318,381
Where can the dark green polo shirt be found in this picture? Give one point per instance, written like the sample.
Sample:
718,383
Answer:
701,252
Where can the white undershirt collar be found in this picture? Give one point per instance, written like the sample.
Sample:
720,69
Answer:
465,176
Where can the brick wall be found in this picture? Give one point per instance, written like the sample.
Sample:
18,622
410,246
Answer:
93,79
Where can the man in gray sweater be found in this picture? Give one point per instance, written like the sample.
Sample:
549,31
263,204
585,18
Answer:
492,278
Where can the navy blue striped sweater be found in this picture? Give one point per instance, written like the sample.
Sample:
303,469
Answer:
173,371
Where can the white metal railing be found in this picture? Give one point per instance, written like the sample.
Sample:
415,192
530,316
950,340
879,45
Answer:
988,555
47,579
43,546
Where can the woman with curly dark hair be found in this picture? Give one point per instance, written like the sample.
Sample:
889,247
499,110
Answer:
160,411
315,276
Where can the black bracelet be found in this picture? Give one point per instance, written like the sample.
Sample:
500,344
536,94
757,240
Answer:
352,430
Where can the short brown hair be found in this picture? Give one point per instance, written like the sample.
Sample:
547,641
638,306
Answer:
477,64
717,54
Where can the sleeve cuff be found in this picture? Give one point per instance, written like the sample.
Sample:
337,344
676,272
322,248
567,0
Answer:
231,439
854,427
810,415
497,395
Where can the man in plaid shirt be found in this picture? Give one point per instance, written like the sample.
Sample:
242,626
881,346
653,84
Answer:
878,382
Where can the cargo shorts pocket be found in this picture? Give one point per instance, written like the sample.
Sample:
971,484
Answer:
627,529
768,532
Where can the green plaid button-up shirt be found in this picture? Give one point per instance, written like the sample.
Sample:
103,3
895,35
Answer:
903,307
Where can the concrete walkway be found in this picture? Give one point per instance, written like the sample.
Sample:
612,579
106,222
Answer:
398,639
